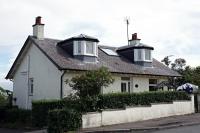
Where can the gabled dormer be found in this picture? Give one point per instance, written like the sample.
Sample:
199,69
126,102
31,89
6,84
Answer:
81,47
137,52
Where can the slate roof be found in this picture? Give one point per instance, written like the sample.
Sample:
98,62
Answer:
115,64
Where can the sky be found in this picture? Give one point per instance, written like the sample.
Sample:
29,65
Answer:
172,27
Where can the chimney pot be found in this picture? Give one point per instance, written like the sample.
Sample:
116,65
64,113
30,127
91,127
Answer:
38,28
135,40
134,36
38,20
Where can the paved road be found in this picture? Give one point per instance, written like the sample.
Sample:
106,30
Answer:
10,131
186,129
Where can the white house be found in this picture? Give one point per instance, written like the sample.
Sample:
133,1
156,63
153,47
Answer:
43,65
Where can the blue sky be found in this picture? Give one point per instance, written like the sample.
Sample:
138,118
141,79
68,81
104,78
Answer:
170,26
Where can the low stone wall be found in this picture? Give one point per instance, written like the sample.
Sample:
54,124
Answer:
139,113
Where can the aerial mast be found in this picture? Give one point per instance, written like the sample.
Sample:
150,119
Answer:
127,19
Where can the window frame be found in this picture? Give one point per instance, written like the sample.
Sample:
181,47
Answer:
79,43
147,52
152,86
127,82
31,86
139,54
91,44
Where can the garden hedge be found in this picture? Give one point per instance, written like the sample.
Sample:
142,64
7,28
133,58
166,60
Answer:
13,117
121,100
62,120
40,109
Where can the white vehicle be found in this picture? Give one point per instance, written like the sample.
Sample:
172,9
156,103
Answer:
188,88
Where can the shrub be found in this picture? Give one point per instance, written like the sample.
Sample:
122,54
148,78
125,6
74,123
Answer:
120,100
14,117
62,120
41,108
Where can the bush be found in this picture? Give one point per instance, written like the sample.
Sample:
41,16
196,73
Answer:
121,100
62,120
41,108
14,117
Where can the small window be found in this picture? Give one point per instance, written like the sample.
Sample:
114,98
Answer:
89,48
139,54
123,87
153,84
79,47
31,86
125,84
153,81
147,54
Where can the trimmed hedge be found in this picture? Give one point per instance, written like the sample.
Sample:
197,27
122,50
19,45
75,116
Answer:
121,100
62,120
40,109
15,115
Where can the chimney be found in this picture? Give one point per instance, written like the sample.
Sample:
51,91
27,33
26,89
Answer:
135,40
38,28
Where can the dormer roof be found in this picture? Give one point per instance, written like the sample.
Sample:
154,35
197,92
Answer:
80,37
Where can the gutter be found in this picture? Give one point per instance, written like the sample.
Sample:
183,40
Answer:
61,85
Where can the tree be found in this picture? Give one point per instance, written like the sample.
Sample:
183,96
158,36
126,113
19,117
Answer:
166,60
3,97
178,64
91,82
196,76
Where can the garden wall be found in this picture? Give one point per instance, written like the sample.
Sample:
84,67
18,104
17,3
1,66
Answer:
138,113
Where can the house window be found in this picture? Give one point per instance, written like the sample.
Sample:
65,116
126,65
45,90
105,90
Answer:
89,48
79,47
139,54
147,54
31,86
125,84
153,84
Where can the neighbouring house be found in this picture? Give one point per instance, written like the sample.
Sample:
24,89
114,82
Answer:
44,64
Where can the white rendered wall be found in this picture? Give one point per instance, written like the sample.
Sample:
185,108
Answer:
20,84
46,78
132,114
141,81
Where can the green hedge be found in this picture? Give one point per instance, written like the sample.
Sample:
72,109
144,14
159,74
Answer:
62,120
15,116
120,100
40,109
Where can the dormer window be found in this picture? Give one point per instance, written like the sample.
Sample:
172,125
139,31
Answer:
147,54
89,47
139,54
79,47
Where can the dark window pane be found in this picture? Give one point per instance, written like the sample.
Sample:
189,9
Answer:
123,87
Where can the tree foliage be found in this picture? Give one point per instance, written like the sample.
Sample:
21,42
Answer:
178,64
166,60
3,97
91,82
